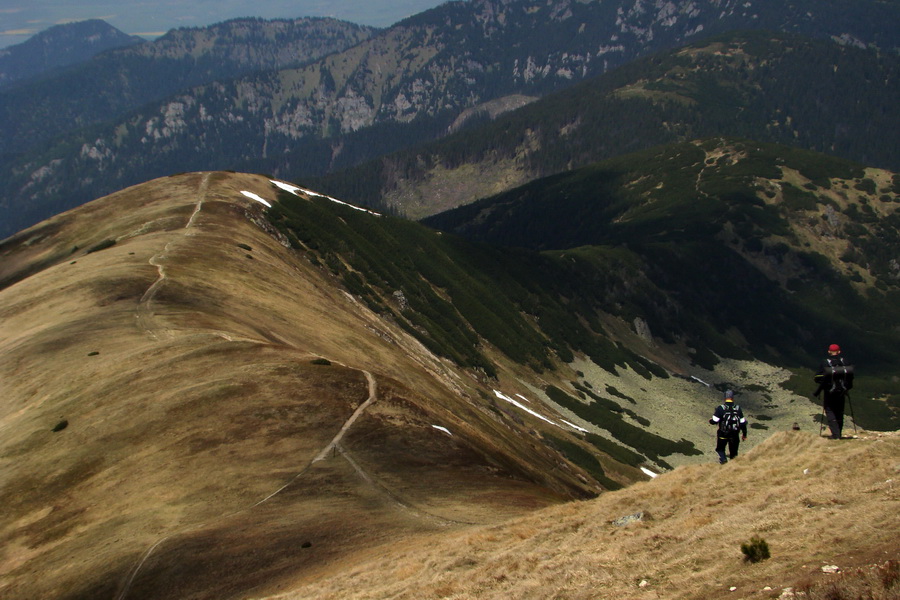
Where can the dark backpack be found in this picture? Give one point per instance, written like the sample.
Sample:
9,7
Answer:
840,374
731,420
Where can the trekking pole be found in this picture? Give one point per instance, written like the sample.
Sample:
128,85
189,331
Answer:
852,416
822,420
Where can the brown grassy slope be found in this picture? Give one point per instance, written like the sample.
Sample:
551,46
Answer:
181,356
816,502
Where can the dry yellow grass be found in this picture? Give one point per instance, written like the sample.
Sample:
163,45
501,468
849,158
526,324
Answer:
182,357
816,502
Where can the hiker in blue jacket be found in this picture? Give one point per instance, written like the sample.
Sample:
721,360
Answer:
731,422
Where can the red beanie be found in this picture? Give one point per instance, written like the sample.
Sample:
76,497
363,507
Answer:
834,348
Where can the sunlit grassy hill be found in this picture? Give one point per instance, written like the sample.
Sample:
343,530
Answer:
186,402
220,385
819,506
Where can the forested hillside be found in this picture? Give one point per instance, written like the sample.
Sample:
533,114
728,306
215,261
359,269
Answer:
114,83
757,85
411,83
734,248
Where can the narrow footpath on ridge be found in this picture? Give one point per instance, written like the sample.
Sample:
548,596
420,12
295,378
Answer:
147,321
144,316
373,396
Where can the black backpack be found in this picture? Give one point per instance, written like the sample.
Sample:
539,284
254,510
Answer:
731,420
840,374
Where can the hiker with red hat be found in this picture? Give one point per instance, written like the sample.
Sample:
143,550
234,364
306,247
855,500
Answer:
835,379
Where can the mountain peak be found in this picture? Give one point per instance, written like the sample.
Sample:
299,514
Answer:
60,46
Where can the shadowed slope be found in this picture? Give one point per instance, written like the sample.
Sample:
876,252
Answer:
213,383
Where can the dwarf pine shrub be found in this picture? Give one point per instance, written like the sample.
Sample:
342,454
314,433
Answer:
755,550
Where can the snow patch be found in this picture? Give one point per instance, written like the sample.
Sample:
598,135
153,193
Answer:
444,429
518,404
253,196
293,189
574,426
648,472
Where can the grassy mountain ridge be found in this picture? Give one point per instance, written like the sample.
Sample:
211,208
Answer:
406,85
207,396
756,85
180,382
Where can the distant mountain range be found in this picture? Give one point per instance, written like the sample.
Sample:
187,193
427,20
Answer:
111,85
756,85
60,46
453,65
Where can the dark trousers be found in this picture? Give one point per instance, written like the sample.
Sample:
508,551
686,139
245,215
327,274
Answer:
834,412
732,440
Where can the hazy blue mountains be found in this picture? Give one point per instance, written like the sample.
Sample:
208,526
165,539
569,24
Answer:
758,85
109,85
413,82
60,46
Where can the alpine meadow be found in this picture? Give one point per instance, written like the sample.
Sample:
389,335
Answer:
302,309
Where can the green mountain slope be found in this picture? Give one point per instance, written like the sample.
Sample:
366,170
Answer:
735,248
753,84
